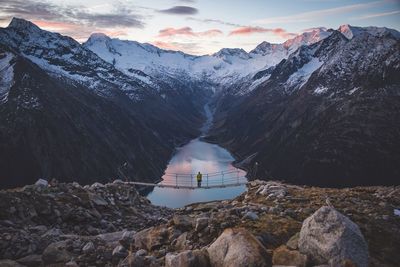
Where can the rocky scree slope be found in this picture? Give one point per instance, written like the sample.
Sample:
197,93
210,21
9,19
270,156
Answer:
67,113
327,115
271,224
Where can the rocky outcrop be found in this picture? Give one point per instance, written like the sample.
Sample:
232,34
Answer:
328,236
237,247
67,225
286,257
188,258
62,221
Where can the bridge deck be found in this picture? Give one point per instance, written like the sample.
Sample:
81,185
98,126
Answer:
203,186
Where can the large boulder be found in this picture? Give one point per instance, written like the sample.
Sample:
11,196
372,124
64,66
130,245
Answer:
285,257
328,236
188,258
56,253
182,221
237,247
10,263
151,238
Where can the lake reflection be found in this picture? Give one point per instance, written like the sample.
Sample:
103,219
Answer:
189,159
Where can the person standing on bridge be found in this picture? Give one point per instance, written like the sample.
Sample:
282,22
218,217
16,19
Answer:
199,178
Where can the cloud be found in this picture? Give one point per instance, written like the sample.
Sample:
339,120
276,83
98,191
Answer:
180,10
247,30
167,32
187,31
79,31
217,21
322,13
377,15
210,33
33,9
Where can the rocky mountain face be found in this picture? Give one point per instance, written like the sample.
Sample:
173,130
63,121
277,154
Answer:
327,115
66,113
272,224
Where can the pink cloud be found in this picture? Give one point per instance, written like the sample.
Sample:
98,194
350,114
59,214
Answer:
247,30
78,31
187,31
165,45
210,33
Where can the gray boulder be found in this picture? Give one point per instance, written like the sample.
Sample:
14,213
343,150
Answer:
188,258
56,253
328,236
10,263
182,221
250,215
201,223
41,183
31,260
237,247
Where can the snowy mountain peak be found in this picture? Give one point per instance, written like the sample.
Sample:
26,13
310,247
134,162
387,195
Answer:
306,38
264,48
352,31
98,36
226,53
21,24
347,30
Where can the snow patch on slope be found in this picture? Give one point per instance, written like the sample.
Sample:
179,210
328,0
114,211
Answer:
303,74
6,75
320,90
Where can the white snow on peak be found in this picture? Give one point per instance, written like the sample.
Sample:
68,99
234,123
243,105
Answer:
6,75
306,38
351,31
224,67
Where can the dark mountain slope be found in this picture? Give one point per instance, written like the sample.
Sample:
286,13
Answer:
66,113
328,115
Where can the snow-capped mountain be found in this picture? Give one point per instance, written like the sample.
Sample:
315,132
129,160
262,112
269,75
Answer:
225,67
327,115
62,56
351,31
67,113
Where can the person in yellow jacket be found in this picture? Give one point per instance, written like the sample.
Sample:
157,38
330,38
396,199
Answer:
199,178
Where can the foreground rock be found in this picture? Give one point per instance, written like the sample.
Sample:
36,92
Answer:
111,225
188,258
330,237
286,257
238,247
55,223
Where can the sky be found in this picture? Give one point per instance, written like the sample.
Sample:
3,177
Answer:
199,26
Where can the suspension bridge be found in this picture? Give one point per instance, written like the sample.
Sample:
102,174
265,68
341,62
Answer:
221,179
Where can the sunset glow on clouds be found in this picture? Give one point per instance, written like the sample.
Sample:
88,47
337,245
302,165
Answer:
199,26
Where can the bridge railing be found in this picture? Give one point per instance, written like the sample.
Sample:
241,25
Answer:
230,177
